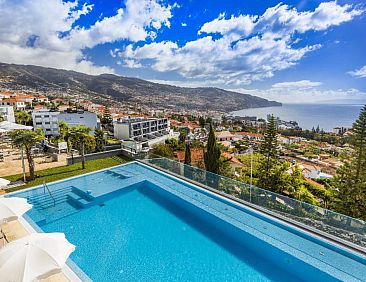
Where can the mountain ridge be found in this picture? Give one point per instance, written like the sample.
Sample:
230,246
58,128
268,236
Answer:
55,82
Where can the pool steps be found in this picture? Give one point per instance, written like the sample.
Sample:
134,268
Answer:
77,198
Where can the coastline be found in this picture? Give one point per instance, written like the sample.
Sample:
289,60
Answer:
327,116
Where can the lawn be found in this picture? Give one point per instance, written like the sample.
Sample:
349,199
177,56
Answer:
57,173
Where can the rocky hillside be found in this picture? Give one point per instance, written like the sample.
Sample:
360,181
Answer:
53,82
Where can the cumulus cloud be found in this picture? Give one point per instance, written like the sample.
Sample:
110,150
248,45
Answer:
241,49
359,72
43,32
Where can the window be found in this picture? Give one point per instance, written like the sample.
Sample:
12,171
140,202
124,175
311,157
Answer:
38,123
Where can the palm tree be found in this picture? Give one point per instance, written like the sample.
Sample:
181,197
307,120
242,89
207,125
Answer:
26,139
79,135
23,117
65,133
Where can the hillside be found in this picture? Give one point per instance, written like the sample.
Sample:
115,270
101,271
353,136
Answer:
55,82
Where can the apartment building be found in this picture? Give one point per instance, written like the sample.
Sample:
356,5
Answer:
7,113
48,120
140,128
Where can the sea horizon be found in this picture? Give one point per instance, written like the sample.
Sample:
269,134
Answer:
308,115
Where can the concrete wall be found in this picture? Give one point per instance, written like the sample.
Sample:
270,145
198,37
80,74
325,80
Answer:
105,154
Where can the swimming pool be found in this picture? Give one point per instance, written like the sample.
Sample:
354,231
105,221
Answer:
135,223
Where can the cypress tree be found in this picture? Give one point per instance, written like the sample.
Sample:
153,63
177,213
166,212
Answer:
351,177
269,145
212,154
187,154
202,122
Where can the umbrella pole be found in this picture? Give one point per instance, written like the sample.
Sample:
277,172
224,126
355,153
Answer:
23,165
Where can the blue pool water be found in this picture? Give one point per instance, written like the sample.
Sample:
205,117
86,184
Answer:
132,223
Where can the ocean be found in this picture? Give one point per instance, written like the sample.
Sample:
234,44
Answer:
327,116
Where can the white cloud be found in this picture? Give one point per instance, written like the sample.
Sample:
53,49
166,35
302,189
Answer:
43,32
132,64
302,84
183,24
132,23
303,91
359,72
238,27
240,49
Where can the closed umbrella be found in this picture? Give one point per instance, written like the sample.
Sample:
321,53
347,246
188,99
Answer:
34,256
4,182
12,208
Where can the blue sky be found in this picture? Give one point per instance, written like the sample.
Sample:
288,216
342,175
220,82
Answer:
291,51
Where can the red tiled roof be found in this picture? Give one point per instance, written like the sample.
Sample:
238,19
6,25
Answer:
250,134
11,100
196,155
231,158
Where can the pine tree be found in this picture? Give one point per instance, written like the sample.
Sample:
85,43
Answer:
187,154
212,154
351,177
107,118
99,140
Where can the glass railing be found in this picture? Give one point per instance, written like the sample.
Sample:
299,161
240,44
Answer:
319,219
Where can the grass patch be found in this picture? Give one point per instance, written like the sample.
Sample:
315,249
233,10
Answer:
57,173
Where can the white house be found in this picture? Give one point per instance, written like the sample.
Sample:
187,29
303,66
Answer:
316,174
7,113
224,136
17,103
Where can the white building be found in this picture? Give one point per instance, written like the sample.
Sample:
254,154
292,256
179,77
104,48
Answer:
139,128
7,113
144,131
75,117
48,120
316,174
17,103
